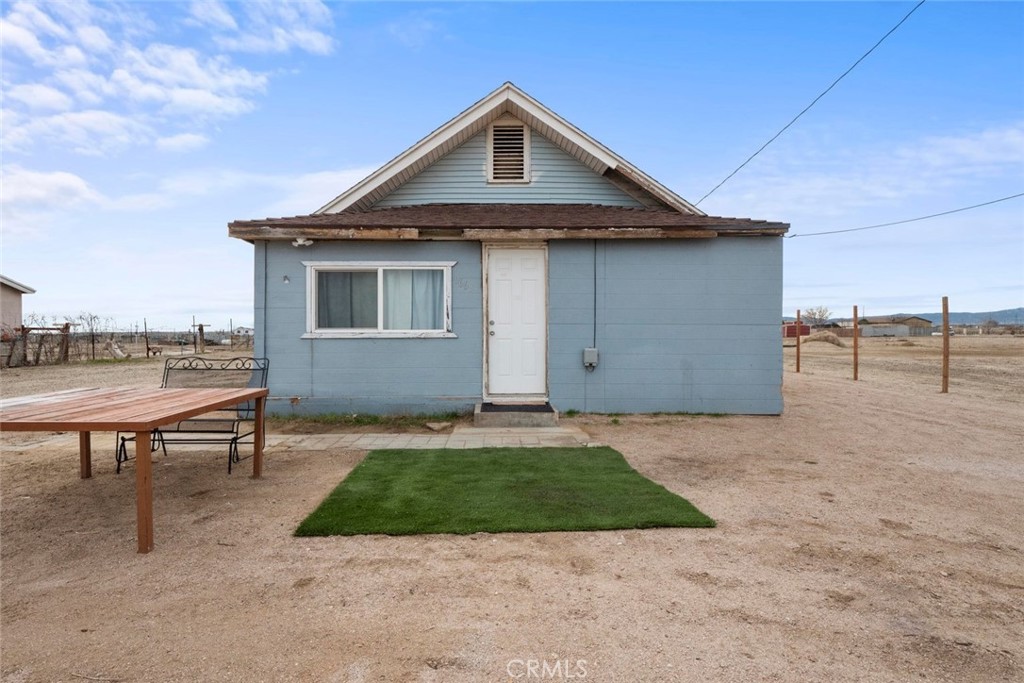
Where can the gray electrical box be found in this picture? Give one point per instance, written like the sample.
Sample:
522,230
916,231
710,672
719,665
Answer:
590,358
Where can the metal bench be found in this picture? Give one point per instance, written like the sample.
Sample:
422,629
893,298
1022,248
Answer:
219,427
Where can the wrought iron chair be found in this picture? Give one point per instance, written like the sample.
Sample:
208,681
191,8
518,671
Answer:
219,427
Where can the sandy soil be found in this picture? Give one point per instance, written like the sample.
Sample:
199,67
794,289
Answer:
874,532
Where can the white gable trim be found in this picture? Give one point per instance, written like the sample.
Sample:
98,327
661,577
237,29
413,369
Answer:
508,99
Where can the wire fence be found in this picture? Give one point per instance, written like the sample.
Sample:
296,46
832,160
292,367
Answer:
820,326
30,345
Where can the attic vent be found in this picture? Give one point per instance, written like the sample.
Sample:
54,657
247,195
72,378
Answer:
508,153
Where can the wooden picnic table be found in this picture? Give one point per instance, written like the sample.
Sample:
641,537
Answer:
127,410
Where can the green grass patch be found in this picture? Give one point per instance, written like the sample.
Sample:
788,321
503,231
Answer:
450,491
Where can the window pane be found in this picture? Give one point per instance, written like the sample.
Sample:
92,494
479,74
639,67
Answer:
346,300
413,299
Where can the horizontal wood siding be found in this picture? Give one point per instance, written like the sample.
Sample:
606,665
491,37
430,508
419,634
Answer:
461,177
680,327
376,376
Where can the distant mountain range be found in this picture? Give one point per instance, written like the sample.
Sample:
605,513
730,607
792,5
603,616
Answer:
1008,316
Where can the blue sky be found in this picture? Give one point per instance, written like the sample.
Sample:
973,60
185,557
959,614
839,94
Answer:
134,132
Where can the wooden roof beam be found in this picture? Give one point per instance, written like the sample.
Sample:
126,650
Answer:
314,233
497,234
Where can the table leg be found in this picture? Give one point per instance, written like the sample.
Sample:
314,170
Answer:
85,454
144,491
257,438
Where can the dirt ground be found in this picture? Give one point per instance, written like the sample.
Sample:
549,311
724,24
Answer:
874,532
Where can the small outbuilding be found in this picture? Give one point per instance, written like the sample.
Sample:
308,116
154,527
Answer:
891,326
10,302
915,326
509,257
790,330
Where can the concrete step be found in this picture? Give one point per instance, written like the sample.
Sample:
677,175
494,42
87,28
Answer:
497,415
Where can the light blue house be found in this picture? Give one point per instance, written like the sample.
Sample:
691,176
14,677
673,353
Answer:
510,258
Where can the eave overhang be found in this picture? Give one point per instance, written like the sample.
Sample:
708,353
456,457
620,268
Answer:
14,284
498,222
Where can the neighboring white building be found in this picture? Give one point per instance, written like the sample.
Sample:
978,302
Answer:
890,325
10,302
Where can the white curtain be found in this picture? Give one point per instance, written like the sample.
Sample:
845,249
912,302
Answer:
414,299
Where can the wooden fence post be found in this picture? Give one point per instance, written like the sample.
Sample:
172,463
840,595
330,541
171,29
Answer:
23,356
856,337
945,345
798,340
65,341
39,350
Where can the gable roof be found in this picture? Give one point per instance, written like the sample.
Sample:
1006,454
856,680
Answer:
892,319
507,99
24,289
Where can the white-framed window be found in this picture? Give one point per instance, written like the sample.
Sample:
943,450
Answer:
508,152
347,299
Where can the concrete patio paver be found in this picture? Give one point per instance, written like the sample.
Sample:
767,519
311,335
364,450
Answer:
461,437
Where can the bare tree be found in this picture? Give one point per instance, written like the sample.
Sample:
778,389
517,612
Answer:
816,316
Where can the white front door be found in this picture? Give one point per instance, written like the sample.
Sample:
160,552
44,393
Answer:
516,322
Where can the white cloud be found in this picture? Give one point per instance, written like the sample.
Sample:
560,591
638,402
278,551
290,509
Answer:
308,192
170,66
182,143
17,37
90,132
185,83
37,96
25,188
275,39
88,88
94,39
985,152
294,194
197,102
115,87
75,13
796,183
415,29
31,17
9,119
31,200
272,26
212,13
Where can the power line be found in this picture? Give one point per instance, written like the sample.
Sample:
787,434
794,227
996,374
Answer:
910,220
815,101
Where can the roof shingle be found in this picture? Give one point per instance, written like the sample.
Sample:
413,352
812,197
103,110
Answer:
501,216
